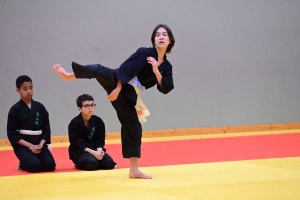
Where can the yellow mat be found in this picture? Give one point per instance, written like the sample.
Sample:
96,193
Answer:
274,179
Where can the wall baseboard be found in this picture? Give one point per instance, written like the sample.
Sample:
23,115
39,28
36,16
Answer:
188,131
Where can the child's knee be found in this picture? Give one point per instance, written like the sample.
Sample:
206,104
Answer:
88,166
49,168
34,168
108,165
111,165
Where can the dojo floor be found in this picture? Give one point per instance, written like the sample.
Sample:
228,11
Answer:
237,166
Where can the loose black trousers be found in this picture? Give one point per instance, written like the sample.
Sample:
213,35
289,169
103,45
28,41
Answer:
87,161
42,162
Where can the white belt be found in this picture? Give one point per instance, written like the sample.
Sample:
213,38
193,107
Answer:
29,132
140,107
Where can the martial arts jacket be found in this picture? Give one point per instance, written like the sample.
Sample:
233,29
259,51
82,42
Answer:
21,117
81,137
137,65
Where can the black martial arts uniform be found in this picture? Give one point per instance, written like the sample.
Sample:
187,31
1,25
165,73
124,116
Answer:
135,65
92,137
21,117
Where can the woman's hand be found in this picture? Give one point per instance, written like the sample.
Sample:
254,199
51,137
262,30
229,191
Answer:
155,70
154,64
114,94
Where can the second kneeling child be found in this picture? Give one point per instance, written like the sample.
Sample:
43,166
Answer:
87,138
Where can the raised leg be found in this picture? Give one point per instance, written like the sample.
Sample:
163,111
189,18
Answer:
58,69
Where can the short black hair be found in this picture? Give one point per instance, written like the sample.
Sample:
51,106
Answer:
82,98
21,79
170,34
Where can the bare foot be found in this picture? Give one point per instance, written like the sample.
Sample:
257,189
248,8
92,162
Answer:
138,174
58,69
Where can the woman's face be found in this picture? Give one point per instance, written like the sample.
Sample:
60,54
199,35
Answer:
161,39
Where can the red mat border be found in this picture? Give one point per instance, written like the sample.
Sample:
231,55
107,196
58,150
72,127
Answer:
181,152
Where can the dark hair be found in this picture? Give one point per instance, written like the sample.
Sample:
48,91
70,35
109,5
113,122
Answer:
170,34
82,98
21,79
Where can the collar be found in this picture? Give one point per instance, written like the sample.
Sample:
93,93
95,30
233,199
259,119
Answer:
156,54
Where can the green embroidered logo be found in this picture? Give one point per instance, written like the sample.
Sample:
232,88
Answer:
92,133
160,73
37,118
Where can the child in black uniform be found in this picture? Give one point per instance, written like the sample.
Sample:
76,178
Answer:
145,68
28,130
87,138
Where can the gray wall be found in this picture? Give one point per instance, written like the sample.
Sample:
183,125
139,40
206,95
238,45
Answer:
235,62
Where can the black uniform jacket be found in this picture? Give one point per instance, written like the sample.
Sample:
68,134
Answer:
137,65
21,117
81,137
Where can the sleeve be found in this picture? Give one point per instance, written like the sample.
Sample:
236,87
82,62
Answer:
167,81
46,131
75,136
132,66
12,128
100,136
